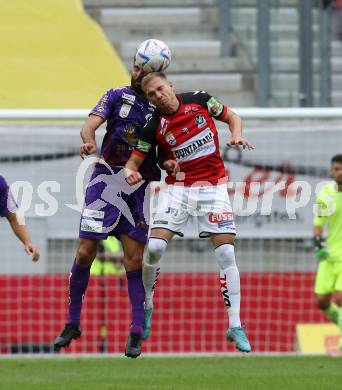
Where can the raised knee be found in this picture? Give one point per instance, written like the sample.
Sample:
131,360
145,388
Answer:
156,248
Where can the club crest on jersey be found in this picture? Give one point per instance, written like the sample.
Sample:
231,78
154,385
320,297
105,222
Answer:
170,139
200,121
163,125
124,110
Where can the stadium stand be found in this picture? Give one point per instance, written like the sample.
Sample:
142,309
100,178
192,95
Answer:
54,56
191,30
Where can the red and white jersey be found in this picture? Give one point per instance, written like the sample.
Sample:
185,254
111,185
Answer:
188,136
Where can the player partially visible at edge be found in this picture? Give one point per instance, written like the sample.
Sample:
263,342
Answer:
8,209
185,131
126,111
329,251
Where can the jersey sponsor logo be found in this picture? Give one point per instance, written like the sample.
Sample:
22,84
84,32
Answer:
93,213
124,111
172,211
163,125
201,145
160,222
88,225
190,109
221,217
224,290
215,108
170,139
226,224
128,98
200,121
143,146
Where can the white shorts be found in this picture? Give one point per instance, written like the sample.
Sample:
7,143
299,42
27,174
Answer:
208,209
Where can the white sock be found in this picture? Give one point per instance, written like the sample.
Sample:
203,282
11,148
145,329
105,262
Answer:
156,248
230,282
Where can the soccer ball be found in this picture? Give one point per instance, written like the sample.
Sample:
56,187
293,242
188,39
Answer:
152,56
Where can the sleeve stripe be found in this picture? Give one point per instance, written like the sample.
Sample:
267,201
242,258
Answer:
138,153
223,113
97,114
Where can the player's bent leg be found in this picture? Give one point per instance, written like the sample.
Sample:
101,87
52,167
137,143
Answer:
133,255
230,288
78,282
157,244
156,248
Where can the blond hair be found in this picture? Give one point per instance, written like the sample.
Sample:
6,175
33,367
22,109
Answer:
146,79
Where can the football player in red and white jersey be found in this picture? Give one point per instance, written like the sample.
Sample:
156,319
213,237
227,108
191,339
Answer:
183,128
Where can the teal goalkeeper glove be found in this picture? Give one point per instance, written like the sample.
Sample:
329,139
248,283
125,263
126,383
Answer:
321,252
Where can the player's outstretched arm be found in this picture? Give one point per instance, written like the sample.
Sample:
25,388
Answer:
88,134
235,126
21,232
132,167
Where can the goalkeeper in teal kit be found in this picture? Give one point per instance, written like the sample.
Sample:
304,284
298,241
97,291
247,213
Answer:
329,252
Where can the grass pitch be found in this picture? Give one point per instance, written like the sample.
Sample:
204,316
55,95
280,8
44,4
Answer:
245,372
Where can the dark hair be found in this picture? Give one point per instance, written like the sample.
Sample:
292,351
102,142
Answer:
151,76
337,159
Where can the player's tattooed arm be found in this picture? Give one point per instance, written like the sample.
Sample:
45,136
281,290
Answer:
88,134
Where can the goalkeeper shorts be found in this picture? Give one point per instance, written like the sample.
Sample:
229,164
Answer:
328,277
